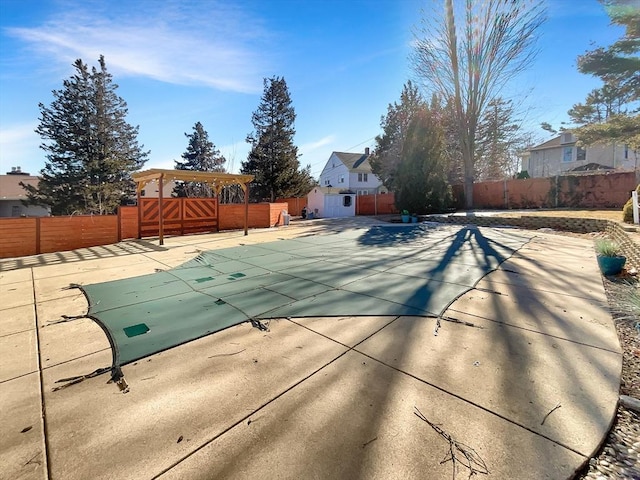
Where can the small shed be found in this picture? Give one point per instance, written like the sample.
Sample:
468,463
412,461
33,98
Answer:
329,202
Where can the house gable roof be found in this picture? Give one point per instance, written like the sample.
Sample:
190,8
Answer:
10,188
355,162
553,143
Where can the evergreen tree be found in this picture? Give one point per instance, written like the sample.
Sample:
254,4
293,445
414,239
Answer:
499,140
273,159
91,149
389,145
421,183
619,63
610,113
201,155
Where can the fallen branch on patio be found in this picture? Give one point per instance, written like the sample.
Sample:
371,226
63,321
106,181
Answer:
550,412
459,453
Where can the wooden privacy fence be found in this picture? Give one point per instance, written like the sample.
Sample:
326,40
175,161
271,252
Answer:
35,235
610,190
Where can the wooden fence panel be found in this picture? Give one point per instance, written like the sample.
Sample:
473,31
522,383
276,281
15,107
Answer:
128,222
377,204
199,215
294,205
82,231
181,215
261,215
611,190
18,237
527,193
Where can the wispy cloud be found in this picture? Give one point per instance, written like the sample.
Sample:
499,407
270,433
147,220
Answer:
312,146
174,42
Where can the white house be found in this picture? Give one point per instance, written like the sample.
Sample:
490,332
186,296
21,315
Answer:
351,172
12,194
561,155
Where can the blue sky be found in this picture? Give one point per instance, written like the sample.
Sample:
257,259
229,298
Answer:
180,62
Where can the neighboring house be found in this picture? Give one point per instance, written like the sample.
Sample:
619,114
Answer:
12,194
561,155
328,202
351,172
151,189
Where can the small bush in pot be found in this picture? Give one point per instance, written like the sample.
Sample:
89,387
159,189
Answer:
610,260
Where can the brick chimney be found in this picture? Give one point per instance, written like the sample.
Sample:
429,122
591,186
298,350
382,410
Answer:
366,150
17,171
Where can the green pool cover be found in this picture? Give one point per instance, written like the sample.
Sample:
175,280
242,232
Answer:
382,270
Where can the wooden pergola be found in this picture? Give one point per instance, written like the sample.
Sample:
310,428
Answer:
217,181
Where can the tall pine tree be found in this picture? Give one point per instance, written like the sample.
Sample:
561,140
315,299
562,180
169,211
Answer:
389,145
421,183
91,149
201,155
273,159
499,139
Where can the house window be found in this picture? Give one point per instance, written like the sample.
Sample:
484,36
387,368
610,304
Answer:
567,154
341,179
326,181
15,210
346,200
363,192
581,154
365,176
626,152
142,193
359,177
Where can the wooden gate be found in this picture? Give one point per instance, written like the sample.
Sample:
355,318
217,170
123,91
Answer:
181,216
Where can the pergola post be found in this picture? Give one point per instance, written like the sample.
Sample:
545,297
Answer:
246,208
139,203
218,190
161,209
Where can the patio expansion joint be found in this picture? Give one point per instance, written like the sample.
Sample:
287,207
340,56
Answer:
276,397
16,333
43,408
532,331
76,358
26,374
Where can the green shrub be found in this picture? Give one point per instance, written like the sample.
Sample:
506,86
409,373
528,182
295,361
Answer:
607,248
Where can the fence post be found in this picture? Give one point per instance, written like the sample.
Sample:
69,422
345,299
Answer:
375,203
38,249
634,196
556,199
506,195
119,224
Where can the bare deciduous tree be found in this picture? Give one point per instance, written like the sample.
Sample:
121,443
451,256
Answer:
469,62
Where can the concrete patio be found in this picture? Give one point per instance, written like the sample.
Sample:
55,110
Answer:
522,377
